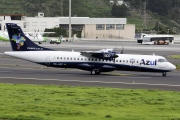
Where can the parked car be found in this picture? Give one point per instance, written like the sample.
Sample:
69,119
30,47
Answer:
55,41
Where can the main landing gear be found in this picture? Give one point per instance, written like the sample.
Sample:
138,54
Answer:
164,74
95,72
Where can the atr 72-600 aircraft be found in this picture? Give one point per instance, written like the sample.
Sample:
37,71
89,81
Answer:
105,60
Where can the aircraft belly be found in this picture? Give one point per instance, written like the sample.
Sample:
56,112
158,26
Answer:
140,68
101,67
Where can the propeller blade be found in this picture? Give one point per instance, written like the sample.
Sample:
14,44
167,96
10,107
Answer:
122,51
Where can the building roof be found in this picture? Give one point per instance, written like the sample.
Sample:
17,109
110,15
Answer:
12,15
87,20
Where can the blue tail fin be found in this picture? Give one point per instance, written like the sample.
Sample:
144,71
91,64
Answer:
19,42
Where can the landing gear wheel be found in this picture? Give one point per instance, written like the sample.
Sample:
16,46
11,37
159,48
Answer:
164,74
95,72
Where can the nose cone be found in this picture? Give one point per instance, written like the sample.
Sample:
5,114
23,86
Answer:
173,67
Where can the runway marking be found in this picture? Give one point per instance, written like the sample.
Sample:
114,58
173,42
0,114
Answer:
126,83
126,76
140,77
4,71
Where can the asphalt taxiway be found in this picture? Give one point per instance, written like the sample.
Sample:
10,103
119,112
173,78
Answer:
19,71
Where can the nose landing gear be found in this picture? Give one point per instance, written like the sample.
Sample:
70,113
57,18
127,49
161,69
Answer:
164,74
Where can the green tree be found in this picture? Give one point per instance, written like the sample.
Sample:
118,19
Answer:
135,3
161,7
119,11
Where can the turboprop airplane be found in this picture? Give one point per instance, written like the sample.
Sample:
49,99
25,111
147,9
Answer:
34,36
105,60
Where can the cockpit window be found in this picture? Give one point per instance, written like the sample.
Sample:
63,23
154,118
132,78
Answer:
162,60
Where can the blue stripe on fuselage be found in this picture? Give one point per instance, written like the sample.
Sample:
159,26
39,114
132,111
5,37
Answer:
122,67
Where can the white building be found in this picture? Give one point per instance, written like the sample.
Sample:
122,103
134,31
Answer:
90,27
119,2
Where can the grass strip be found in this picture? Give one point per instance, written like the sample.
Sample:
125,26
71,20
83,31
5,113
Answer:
178,67
175,56
50,102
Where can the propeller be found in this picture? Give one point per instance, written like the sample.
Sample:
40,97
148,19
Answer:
115,53
122,51
110,54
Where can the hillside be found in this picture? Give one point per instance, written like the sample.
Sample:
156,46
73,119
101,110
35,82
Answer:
81,8
97,8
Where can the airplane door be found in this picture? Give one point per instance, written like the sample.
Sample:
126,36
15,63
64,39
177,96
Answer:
47,60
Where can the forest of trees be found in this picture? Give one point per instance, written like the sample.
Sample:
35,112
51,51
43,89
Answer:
167,8
167,12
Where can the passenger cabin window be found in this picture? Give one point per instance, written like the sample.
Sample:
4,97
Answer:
162,60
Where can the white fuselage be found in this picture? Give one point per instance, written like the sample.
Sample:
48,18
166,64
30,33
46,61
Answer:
68,59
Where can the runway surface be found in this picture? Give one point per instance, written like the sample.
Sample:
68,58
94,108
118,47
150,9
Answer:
19,71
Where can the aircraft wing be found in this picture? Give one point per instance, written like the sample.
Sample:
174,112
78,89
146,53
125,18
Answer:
94,54
102,54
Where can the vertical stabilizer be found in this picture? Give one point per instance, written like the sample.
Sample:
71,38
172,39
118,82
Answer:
18,40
